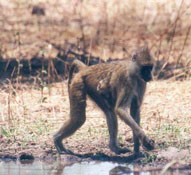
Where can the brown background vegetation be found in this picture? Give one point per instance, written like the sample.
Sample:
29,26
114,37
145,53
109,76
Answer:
46,30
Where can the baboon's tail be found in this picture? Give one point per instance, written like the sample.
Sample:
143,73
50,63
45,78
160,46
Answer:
75,67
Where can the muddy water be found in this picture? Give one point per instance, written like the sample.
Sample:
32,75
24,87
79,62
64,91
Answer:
84,168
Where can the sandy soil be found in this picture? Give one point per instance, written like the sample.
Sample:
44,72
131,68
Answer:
35,116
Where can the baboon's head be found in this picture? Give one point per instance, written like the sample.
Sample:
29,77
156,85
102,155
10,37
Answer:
145,61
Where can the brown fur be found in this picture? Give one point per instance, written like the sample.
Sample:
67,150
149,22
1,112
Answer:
114,87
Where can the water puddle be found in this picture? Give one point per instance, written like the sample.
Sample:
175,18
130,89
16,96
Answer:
38,167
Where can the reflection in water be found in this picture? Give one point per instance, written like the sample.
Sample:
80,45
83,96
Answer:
56,168
89,168
68,168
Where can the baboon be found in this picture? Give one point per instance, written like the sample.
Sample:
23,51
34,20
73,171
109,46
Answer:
114,87
76,66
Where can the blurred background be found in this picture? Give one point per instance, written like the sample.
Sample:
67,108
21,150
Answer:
40,38
49,29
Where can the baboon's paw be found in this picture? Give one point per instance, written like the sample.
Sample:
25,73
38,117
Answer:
66,151
118,150
148,144
61,149
138,154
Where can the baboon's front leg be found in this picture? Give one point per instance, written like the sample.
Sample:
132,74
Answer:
112,122
135,113
113,129
122,102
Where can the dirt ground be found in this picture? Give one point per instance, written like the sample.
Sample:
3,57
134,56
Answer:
33,111
35,116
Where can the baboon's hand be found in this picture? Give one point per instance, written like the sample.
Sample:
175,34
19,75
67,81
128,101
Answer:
148,144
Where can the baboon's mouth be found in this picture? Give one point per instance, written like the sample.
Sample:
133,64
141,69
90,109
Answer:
146,72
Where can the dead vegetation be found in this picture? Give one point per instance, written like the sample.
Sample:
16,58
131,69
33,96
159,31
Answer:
30,116
104,29
47,30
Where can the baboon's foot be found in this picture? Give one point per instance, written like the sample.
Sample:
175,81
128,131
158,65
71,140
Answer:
118,150
65,151
138,154
148,144
60,148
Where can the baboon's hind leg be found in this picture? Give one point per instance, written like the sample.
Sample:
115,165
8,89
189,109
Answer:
77,115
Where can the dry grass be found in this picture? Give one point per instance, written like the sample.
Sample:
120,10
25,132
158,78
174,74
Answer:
31,114
29,119
102,28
